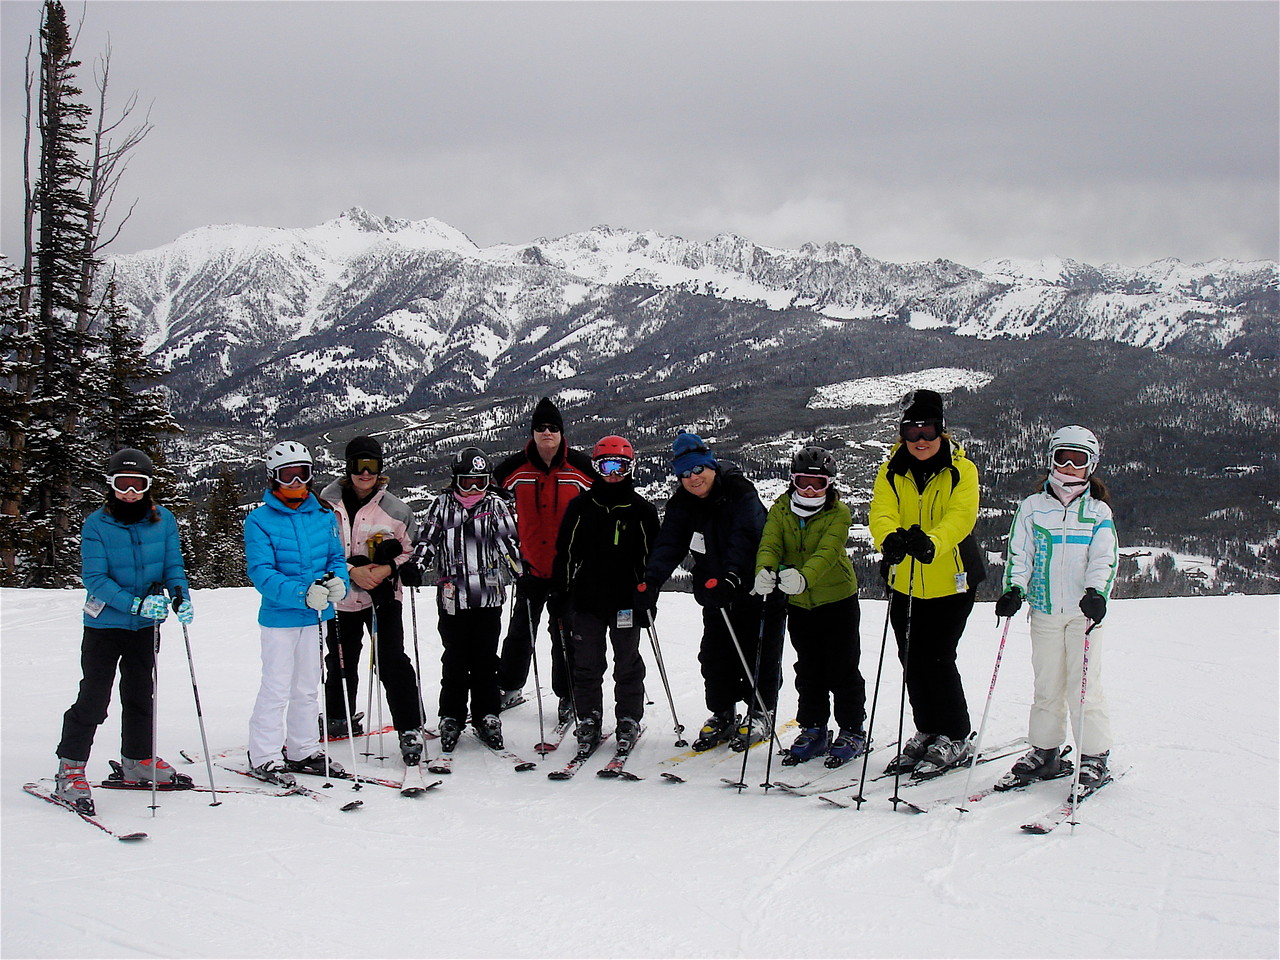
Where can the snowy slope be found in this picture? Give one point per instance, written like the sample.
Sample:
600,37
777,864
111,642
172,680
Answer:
1179,859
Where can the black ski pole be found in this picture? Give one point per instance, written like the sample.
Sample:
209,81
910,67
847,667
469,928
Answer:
755,696
417,664
860,799
195,691
773,736
324,721
537,677
155,588
902,700
1084,683
346,701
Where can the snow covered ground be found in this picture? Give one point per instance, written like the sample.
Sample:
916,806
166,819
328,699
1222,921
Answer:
1178,859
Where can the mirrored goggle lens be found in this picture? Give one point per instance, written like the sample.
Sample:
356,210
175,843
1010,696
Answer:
364,465
810,481
1063,457
692,472
613,466
125,483
473,482
293,473
928,430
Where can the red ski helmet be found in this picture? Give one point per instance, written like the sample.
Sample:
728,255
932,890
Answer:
612,446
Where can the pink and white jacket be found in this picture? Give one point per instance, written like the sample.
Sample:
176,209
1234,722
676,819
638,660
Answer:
384,517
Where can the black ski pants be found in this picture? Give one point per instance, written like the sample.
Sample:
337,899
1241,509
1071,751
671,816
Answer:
517,648
928,658
589,659
469,662
100,651
725,682
345,640
828,650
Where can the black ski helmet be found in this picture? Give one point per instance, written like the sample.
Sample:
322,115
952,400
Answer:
470,462
130,460
814,459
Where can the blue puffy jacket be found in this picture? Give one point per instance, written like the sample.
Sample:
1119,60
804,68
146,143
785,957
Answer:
288,550
119,561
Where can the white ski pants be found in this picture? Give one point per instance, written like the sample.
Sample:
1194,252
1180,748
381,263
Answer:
1057,653
287,710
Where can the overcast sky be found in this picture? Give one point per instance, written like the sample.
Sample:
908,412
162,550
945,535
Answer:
1121,132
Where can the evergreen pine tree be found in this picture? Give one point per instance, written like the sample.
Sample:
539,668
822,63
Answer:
217,557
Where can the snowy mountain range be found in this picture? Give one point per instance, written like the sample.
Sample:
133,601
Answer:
253,322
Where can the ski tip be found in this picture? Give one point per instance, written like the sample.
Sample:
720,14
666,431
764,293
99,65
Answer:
671,777
352,805
525,766
129,837
607,773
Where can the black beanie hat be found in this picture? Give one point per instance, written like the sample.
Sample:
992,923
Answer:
923,405
364,447
546,412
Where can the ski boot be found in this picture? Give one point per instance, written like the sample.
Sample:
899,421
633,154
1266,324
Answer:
336,727
274,771
134,772
943,754
1093,771
811,743
489,730
848,745
912,753
718,728
72,786
509,698
411,747
755,728
1038,763
588,733
315,765
450,731
564,712
626,734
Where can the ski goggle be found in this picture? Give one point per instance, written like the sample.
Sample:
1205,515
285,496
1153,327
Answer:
927,430
292,474
473,481
364,465
692,472
811,482
129,483
1066,457
612,466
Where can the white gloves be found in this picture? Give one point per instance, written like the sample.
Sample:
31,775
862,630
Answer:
337,589
318,595
791,581
766,580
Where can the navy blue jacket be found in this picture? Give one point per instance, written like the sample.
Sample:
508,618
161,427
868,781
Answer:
730,520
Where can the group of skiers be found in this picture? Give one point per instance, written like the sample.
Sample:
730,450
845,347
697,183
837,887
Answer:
577,541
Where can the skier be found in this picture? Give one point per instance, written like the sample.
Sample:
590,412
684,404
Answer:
469,543
378,530
127,546
293,551
716,516
542,478
600,555
1062,558
923,505
802,553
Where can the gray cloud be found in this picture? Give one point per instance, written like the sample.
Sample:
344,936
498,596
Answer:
1101,131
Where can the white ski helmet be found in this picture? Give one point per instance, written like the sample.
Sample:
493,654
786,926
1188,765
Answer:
1075,437
286,452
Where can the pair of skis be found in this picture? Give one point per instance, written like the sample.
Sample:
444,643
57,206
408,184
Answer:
443,764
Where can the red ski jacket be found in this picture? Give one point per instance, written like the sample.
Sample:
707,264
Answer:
542,494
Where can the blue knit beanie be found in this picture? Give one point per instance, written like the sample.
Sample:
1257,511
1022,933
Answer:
688,451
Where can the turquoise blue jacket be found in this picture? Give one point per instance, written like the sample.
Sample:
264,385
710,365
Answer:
119,561
288,550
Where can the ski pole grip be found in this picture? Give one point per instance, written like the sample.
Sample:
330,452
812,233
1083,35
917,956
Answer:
177,598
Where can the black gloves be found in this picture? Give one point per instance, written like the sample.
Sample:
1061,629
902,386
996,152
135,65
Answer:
527,586
720,593
644,601
1009,603
386,551
410,574
1093,605
918,544
557,604
894,547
